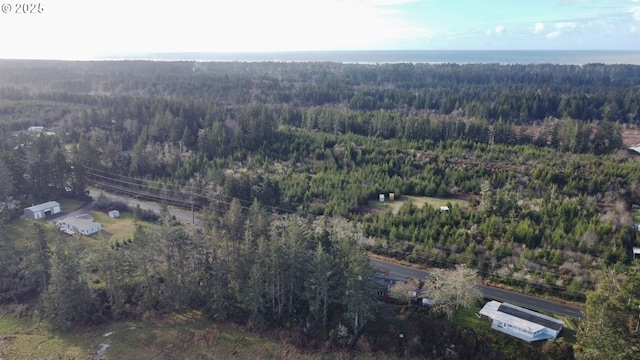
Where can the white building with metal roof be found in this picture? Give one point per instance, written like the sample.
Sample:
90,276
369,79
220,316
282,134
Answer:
42,210
82,225
522,323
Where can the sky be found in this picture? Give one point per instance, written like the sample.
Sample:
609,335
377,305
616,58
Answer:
90,29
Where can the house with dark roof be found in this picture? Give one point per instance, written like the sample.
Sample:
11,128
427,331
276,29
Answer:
634,150
521,323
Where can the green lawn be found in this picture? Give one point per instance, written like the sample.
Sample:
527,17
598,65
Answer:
468,317
118,229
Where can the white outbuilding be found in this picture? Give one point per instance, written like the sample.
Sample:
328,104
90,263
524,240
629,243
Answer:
43,210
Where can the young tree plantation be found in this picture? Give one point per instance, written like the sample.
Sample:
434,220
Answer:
283,164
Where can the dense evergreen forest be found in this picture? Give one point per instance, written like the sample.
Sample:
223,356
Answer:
530,157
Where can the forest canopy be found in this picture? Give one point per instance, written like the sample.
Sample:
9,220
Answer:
529,157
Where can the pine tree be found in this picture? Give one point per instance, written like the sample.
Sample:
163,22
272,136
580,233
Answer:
610,329
321,280
40,243
67,299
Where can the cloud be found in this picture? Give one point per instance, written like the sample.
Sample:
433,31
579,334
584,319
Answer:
635,12
561,28
499,30
538,28
565,25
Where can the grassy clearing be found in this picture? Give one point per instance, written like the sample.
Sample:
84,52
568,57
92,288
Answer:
24,339
434,202
118,229
636,217
17,228
68,205
468,317
17,231
11,324
186,336
418,201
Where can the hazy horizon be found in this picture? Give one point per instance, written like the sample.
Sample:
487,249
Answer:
73,30
568,57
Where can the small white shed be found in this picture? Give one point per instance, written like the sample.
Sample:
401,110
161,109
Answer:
114,214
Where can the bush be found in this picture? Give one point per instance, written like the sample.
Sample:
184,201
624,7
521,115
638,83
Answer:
106,204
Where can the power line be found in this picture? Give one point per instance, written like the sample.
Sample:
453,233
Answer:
180,189
463,257
226,200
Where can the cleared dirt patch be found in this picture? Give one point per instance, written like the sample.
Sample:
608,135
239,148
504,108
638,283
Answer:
631,137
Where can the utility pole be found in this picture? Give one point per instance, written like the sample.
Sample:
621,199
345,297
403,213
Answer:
193,214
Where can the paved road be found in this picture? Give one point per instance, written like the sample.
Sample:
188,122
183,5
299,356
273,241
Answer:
395,270
181,215
526,301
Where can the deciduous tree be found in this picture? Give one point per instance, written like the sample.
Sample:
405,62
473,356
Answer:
452,289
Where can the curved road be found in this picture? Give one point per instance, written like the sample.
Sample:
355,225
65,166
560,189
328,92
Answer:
526,301
394,270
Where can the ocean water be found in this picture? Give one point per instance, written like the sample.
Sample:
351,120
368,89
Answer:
563,57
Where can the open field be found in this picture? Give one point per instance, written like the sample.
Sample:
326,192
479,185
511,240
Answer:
185,336
418,201
118,229
180,336
434,202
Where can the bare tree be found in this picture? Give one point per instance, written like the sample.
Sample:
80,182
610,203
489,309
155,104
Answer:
451,289
405,290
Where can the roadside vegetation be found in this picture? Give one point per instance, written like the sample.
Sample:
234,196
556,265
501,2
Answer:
285,163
